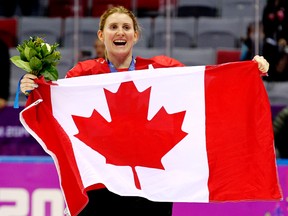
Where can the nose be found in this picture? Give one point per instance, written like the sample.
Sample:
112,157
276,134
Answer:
120,31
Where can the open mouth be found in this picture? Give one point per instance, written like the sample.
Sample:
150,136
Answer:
119,42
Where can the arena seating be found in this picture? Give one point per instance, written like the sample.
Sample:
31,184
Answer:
182,32
197,38
49,28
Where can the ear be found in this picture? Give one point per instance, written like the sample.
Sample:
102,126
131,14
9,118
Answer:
100,35
136,37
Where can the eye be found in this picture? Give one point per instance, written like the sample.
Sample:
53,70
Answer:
126,27
113,26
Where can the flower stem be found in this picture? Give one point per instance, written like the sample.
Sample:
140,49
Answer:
34,73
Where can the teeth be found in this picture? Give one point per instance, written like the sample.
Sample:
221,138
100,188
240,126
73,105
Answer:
120,42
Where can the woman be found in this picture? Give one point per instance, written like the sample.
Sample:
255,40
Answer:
119,31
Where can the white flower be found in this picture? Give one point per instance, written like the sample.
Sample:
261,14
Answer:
48,47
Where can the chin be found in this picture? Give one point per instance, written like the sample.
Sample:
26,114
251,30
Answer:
123,51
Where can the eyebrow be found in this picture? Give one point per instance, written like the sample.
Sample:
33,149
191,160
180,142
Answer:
120,23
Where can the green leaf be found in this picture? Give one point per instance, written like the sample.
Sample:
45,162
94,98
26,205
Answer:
32,53
38,49
45,50
23,57
54,46
35,64
57,55
50,73
27,53
20,48
30,43
53,57
20,63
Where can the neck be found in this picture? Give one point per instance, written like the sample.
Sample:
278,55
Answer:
120,62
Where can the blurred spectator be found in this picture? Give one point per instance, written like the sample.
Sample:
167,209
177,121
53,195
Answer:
9,8
275,49
248,43
4,74
280,126
99,48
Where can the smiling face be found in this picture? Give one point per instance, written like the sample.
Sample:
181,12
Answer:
118,35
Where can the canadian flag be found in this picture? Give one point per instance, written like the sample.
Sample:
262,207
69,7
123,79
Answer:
185,134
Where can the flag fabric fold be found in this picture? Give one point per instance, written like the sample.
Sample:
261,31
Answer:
185,134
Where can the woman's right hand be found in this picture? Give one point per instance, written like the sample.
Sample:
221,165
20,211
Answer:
28,84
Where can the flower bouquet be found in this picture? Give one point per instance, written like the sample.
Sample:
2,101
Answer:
38,58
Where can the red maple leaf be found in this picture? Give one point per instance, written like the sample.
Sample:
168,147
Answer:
130,139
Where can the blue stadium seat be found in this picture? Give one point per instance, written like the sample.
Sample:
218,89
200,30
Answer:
148,52
146,27
183,32
66,62
218,32
49,28
194,56
197,8
241,8
88,27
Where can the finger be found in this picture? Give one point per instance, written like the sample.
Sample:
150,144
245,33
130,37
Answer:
264,66
28,87
256,57
30,76
27,80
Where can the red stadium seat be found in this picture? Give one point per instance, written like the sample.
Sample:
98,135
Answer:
99,6
65,8
8,31
226,55
147,7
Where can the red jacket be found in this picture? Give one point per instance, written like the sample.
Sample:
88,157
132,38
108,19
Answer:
100,65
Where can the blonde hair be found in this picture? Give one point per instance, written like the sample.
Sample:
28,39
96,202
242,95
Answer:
119,9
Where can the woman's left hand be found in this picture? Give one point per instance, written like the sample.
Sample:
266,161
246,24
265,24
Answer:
263,65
